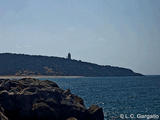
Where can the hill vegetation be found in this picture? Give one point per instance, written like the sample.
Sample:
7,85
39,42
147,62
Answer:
21,64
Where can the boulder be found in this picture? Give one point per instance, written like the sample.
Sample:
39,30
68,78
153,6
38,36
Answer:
33,99
95,113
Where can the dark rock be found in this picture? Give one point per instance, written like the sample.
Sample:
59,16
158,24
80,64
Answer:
2,116
32,99
72,118
42,111
95,113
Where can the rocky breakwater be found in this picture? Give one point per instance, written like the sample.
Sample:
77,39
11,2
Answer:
32,99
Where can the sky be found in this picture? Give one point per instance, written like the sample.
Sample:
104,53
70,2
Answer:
123,33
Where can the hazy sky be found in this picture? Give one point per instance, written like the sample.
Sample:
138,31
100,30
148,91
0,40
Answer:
122,33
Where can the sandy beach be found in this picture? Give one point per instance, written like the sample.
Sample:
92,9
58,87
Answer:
37,76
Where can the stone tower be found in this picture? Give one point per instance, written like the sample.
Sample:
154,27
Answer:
69,56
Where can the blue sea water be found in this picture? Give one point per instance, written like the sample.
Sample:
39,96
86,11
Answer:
117,95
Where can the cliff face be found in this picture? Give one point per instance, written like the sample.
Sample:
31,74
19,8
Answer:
32,99
19,64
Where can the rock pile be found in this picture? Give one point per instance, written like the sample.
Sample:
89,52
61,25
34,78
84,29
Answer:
33,99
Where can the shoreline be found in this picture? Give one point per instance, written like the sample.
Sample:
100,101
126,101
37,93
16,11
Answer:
37,76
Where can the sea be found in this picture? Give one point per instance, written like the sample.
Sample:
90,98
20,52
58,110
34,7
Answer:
120,97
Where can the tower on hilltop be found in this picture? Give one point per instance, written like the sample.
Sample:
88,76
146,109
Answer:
69,56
